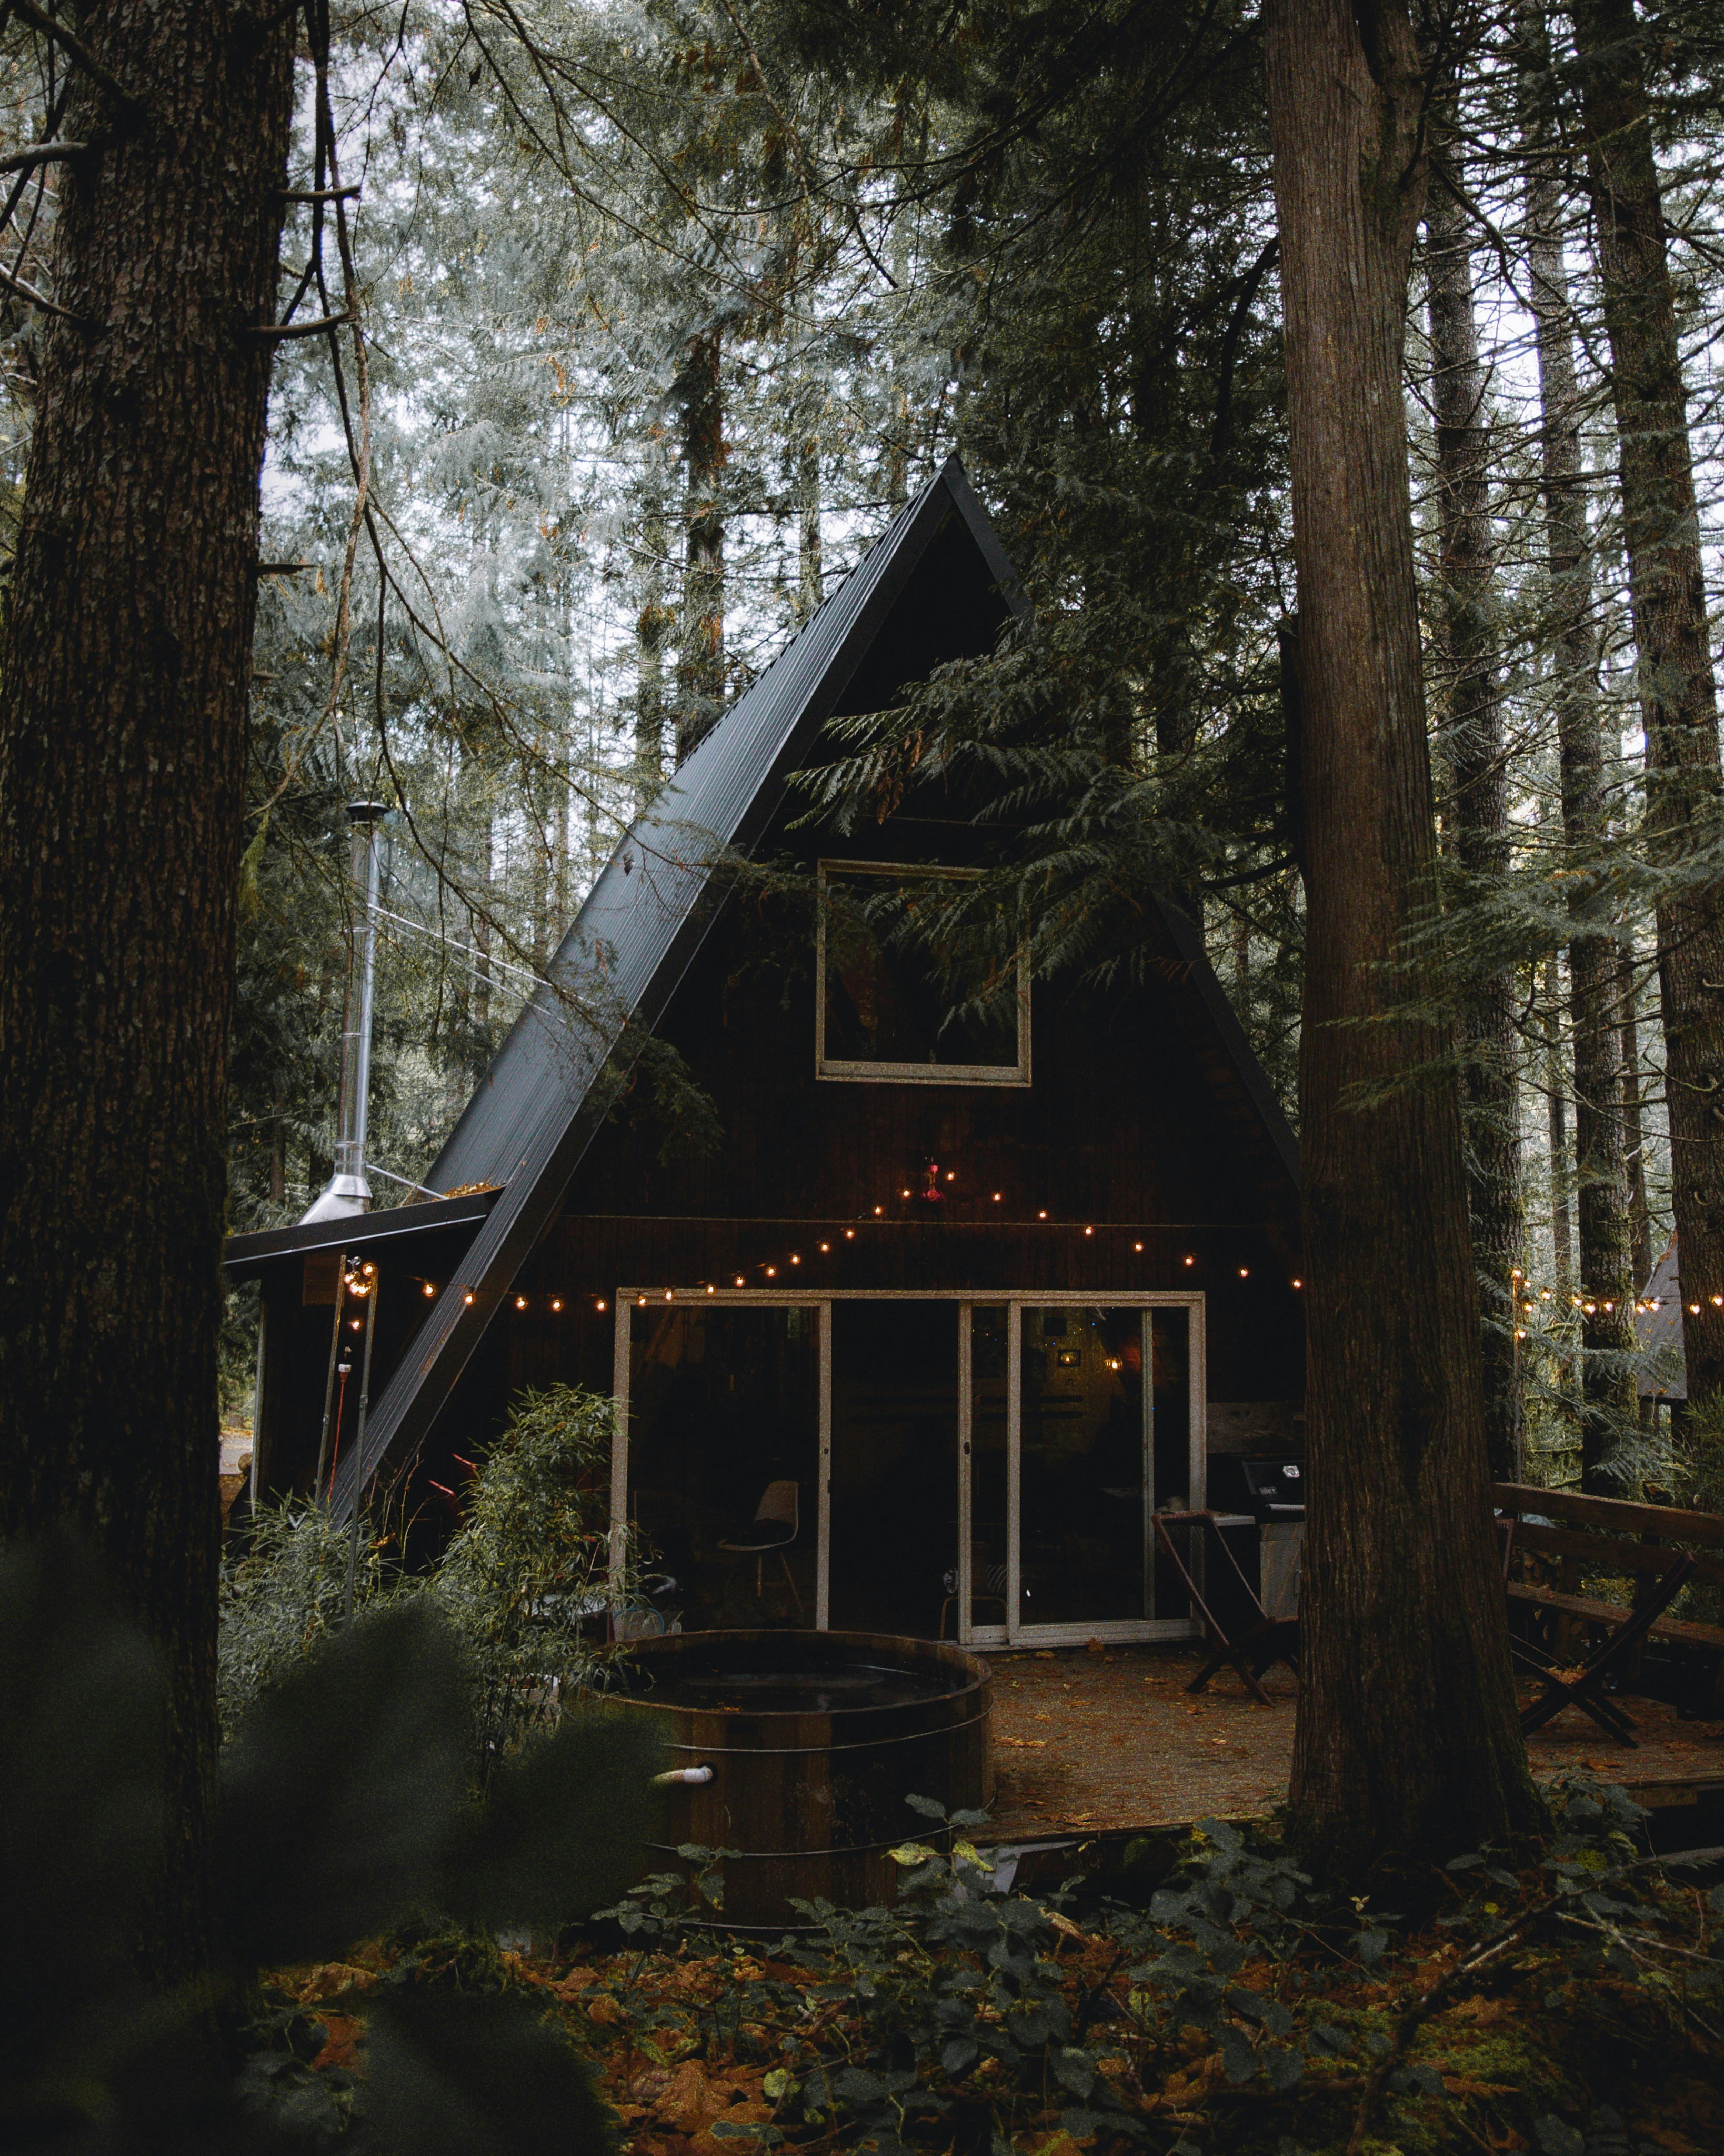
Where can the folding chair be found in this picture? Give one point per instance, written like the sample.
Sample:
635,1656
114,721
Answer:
1582,1687
1262,1644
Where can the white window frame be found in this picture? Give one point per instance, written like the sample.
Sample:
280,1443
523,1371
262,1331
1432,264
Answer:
1116,1631
842,1072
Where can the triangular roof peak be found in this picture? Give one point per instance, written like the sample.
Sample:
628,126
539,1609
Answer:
533,1114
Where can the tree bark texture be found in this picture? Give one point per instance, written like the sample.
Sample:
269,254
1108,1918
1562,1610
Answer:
1678,692
811,583
1478,799
654,633
122,740
1608,1406
1408,1744
1634,1133
699,701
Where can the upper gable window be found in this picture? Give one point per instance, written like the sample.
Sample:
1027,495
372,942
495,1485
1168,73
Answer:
883,1011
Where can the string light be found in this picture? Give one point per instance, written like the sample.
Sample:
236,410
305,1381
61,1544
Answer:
1191,1261
772,1272
1089,1231
879,1209
1137,1246
849,1237
952,1175
739,1279
795,1258
826,1247
428,1289
468,1297
710,1290
1299,1283
902,1194
520,1303
997,1195
669,1295
1041,1216
599,1305
1244,1272
640,1302
1694,1309
556,1303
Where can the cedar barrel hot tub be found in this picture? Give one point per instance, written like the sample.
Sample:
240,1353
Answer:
814,1740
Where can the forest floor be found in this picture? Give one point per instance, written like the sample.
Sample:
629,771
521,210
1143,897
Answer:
1108,1741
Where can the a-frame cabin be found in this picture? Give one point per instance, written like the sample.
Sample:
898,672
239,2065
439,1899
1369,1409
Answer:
975,1300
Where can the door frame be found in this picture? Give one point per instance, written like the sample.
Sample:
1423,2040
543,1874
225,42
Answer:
965,1301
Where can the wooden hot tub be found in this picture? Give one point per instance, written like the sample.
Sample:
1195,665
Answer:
814,1740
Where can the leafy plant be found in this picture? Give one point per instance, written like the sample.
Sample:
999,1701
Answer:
521,1582
343,1806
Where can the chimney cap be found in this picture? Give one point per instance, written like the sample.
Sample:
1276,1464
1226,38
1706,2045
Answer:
367,812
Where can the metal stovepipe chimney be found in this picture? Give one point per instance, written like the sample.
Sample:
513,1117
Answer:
348,1190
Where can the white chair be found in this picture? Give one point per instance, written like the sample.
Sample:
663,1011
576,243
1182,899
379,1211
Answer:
776,1521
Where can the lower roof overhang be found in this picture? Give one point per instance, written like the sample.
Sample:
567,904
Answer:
247,1257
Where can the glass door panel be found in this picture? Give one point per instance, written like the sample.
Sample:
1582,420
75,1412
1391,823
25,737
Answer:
893,1536
1170,1334
724,1413
990,1526
1084,1466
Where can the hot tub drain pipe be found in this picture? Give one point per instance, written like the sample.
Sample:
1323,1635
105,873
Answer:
692,1776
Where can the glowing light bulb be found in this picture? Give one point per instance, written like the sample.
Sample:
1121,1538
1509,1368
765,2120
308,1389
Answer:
1191,1261
1299,1283
878,1210
428,1289
952,1175
599,1305
997,1196
1041,1216
826,1247
1244,1272
1137,1246
520,1303
772,1272
640,1302
904,1193
1089,1231
711,1290
468,1297
739,1279
669,1295
556,1303
849,1235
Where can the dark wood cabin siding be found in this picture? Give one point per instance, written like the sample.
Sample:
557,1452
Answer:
1136,1127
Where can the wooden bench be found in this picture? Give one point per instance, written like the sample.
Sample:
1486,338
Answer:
1658,1547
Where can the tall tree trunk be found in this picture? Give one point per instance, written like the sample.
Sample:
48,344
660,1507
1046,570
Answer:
1478,793
1608,1407
699,699
1407,1745
654,631
1678,692
122,739
1556,1078
811,583
1634,1133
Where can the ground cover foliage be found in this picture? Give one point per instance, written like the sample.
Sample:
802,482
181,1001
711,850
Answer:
1567,2002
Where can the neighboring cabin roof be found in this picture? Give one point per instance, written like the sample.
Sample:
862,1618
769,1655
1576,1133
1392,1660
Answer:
536,1111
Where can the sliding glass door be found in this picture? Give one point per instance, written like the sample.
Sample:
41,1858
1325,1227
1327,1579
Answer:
986,1469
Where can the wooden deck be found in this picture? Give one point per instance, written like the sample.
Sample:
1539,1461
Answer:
1110,1742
